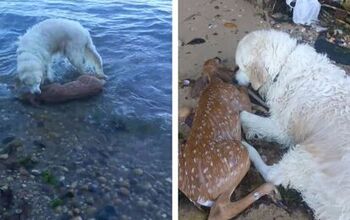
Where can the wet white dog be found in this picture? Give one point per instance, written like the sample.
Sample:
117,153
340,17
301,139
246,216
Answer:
45,39
309,100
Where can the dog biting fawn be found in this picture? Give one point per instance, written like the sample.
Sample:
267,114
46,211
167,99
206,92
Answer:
213,161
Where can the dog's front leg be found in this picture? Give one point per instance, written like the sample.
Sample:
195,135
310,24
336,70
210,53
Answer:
257,127
271,173
50,74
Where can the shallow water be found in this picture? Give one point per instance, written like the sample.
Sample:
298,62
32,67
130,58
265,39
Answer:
113,151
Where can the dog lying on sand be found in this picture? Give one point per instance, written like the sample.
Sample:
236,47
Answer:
84,86
45,39
309,101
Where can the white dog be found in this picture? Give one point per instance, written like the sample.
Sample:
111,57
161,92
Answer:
309,100
38,45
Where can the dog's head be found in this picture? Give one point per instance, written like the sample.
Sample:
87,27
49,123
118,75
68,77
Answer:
29,83
260,56
30,73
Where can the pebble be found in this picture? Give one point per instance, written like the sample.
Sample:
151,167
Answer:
124,191
91,211
35,172
4,156
186,82
23,172
74,184
142,203
92,187
62,178
125,183
138,171
76,211
147,186
102,179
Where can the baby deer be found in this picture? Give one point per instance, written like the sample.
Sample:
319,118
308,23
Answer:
213,161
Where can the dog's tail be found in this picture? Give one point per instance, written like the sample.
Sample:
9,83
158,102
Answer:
92,55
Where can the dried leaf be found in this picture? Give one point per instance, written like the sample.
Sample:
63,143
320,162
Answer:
230,25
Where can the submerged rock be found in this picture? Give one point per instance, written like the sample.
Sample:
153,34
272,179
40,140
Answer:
106,213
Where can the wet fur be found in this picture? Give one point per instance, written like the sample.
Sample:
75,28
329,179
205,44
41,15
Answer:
45,39
310,113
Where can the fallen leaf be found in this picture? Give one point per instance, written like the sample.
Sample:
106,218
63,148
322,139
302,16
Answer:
230,25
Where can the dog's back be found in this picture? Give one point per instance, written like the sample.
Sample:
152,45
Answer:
54,34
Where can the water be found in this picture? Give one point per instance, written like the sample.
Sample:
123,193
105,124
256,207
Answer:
111,154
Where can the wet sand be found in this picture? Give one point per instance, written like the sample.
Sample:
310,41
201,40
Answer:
221,24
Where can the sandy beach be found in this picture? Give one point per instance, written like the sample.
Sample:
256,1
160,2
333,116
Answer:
212,28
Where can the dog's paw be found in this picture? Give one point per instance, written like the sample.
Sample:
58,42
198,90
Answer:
249,126
252,135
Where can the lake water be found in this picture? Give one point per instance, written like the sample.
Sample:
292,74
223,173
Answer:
106,157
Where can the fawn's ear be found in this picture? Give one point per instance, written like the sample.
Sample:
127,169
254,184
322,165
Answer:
200,84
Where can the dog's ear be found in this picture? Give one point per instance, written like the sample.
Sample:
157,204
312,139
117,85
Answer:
258,75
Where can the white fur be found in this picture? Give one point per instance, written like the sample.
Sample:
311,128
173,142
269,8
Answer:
45,39
310,112
242,78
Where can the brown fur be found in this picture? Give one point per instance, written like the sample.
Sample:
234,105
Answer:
84,86
213,161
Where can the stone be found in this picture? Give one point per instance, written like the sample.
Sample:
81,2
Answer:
138,171
4,156
124,191
102,179
107,212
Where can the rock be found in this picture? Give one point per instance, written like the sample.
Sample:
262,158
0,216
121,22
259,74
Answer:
4,156
92,187
138,171
147,186
74,184
77,218
142,203
124,191
35,172
91,211
18,211
61,178
6,197
76,211
186,82
124,183
90,201
23,172
107,212
102,179
12,146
